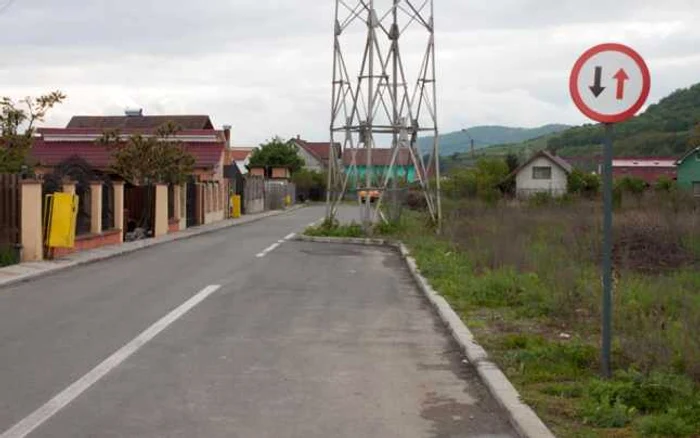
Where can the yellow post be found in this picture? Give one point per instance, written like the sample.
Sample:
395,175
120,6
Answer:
31,229
236,206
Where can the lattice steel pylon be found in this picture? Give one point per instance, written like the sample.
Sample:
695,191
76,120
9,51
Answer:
376,106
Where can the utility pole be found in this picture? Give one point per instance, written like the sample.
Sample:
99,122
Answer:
375,108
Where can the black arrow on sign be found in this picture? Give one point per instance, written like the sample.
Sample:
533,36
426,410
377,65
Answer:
597,89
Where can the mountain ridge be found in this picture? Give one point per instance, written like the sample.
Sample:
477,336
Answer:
485,136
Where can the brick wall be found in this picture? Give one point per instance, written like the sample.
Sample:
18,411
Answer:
90,241
173,226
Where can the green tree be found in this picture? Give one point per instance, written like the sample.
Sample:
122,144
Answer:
512,161
17,121
584,184
695,137
482,181
310,184
144,160
277,153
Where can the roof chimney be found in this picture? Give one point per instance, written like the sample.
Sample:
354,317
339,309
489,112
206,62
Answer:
227,134
134,112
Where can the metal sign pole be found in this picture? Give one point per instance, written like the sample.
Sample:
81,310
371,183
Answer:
607,249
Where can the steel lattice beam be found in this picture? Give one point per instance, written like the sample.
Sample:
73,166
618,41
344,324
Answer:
384,102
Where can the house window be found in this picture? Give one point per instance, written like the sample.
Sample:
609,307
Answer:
541,172
696,188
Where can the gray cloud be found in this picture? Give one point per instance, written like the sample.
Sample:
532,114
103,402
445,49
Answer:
265,66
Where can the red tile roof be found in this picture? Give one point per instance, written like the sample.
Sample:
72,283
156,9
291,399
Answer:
125,131
319,150
380,157
240,154
207,155
140,122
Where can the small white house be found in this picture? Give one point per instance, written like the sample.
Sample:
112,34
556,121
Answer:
543,172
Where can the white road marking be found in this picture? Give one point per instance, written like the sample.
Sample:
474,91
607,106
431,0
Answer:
290,236
262,254
50,408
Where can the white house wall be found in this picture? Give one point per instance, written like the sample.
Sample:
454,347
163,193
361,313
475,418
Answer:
311,162
526,185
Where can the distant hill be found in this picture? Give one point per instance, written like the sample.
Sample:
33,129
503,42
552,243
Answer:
664,129
484,136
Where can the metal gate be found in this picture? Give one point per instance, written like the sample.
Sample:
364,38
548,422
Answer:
10,209
191,204
78,170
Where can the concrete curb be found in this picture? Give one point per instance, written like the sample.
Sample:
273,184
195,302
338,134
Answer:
521,416
41,269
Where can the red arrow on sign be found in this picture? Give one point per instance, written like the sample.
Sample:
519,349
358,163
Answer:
621,77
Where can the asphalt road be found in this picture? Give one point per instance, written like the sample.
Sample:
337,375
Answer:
239,333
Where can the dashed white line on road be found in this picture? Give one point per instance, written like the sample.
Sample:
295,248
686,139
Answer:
273,247
50,408
264,252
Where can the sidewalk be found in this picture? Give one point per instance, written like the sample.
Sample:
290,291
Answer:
28,271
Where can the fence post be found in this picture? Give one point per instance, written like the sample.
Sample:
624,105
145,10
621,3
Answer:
161,220
183,207
119,208
31,231
176,202
96,207
69,186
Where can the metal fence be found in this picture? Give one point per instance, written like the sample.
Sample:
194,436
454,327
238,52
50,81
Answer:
276,192
253,194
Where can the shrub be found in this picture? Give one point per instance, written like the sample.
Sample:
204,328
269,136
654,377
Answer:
631,185
331,228
608,413
583,184
665,425
540,199
665,184
8,256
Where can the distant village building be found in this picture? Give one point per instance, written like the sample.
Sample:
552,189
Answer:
356,167
316,155
543,173
689,171
648,169
240,157
79,139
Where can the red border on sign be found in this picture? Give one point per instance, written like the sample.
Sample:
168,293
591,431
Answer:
609,118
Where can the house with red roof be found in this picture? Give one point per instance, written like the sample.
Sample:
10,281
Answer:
648,169
316,155
80,138
239,156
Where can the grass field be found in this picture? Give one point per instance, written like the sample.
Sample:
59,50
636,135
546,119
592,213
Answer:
525,279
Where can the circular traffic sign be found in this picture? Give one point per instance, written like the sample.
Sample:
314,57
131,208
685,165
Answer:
610,83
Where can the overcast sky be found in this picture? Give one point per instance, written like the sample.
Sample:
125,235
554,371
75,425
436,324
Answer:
265,66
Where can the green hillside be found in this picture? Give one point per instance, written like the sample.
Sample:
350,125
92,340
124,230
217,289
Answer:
664,129
484,136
